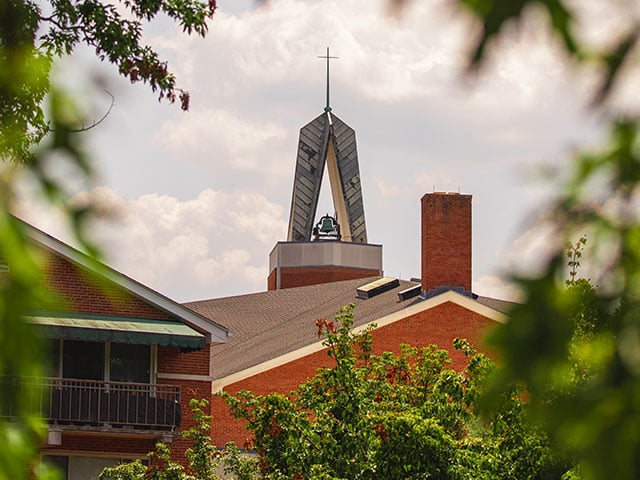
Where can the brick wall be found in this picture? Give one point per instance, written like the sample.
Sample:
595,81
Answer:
171,360
83,443
439,325
446,240
189,389
314,275
83,292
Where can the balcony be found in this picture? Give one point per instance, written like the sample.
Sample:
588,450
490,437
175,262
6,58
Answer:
97,405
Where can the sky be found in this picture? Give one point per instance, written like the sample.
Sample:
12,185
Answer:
198,199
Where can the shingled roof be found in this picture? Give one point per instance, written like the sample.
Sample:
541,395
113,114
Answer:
270,324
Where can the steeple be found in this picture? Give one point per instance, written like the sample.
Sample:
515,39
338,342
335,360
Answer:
329,141
339,250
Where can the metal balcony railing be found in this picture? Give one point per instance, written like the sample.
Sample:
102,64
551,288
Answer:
68,401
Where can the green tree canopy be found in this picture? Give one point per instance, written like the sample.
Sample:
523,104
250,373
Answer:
393,416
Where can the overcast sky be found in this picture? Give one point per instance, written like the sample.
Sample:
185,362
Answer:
203,196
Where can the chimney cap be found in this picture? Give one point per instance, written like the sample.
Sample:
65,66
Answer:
446,190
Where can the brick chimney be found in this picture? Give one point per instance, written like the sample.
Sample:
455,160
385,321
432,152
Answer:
446,241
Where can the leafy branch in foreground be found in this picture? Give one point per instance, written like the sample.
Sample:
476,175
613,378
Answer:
576,349
33,33
582,376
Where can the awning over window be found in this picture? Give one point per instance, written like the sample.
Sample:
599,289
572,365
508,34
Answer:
114,329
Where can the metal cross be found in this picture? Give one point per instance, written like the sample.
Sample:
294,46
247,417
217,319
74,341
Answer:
327,56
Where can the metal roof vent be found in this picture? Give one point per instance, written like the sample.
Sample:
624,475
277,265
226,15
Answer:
409,292
377,287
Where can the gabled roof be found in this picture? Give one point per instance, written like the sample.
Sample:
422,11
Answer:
503,306
214,332
269,327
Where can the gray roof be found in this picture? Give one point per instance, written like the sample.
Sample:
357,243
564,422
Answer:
269,324
502,306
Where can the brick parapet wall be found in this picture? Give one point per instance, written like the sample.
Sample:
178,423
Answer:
315,275
439,325
171,360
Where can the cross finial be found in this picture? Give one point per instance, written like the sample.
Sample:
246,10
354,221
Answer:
327,56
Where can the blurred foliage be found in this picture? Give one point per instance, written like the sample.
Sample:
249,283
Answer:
204,460
39,132
576,346
409,415
496,16
21,287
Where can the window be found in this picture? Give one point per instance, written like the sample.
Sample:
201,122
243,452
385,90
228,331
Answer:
83,360
130,363
60,462
52,363
116,362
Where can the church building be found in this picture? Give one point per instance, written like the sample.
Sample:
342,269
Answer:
327,264
125,360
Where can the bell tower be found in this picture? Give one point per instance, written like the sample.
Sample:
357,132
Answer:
329,141
309,256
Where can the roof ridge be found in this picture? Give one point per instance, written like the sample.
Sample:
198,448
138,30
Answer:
283,291
326,301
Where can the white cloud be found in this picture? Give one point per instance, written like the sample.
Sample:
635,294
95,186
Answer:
496,287
214,244
208,136
184,179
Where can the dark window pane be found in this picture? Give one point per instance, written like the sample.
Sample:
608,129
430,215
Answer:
84,360
130,363
52,362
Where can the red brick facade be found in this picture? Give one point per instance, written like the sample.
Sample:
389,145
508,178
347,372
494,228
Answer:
315,275
439,325
81,292
446,241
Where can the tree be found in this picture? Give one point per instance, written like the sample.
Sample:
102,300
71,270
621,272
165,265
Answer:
581,370
32,35
203,458
393,416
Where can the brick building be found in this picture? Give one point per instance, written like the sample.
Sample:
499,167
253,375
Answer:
275,346
124,362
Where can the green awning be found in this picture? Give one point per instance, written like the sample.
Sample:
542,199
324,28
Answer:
121,330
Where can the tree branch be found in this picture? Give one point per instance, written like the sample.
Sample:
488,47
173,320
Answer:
97,122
